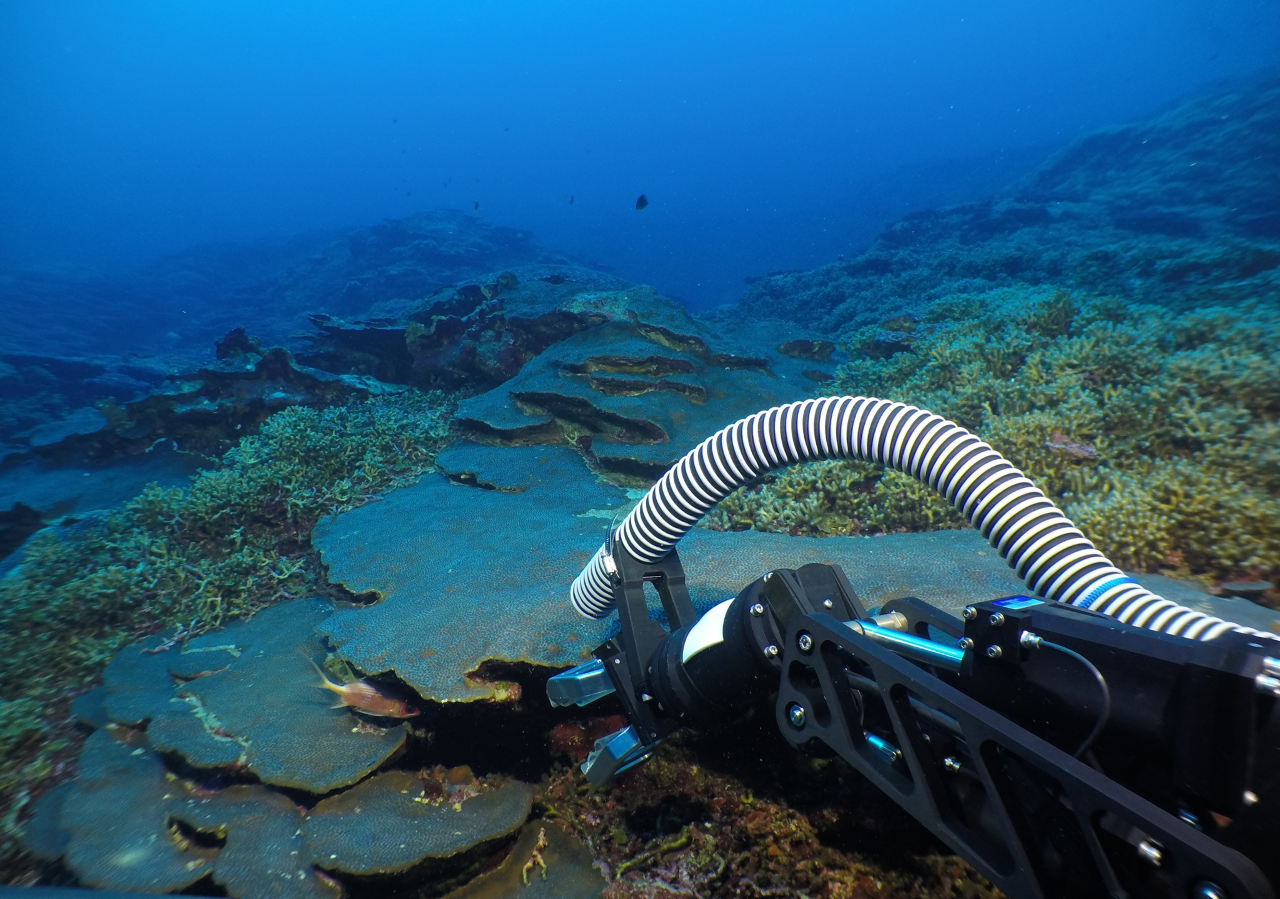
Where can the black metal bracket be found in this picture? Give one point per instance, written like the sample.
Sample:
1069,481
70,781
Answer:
626,656
1026,814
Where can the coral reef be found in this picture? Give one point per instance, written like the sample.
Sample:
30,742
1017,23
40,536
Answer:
388,824
1176,210
544,862
233,541
473,565
1155,430
221,700
253,841
185,300
1152,422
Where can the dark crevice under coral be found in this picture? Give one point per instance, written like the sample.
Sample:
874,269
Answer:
639,387
651,366
697,347
591,418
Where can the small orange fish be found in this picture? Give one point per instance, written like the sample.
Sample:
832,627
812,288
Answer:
364,697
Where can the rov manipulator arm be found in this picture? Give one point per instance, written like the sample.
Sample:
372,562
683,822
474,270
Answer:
1087,739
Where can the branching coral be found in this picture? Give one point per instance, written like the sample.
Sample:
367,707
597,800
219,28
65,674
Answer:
231,542
1156,431
234,541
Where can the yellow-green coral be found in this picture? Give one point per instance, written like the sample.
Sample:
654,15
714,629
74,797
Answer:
1156,431
233,541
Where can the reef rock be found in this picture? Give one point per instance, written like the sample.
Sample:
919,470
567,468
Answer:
1174,209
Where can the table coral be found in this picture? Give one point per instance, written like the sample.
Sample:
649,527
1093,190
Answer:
114,821
391,822
544,862
262,852
630,389
248,698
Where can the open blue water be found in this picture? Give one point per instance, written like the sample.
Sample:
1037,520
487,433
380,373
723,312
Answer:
765,136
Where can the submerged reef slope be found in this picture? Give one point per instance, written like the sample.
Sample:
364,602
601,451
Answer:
184,300
1177,209
73,343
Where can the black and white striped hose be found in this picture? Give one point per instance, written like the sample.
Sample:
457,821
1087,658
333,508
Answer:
1051,556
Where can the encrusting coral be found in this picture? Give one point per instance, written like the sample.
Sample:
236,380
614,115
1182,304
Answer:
1155,431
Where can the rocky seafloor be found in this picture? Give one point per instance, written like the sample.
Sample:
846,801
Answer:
401,485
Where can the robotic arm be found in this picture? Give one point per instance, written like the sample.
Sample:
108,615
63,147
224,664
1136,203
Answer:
1061,750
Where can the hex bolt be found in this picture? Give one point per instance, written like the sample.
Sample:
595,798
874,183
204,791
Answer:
969,613
997,619
965,643
771,651
757,610
994,652
795,714
805,642
1151,852
828,604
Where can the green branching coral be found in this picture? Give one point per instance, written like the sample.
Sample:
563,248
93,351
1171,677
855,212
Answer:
837,497
233,541
1156,431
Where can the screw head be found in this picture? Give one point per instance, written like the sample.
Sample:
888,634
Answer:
795,714
828,604
771,650
757,610
997,619
965,643
805,642
994,652
951,763
969,613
